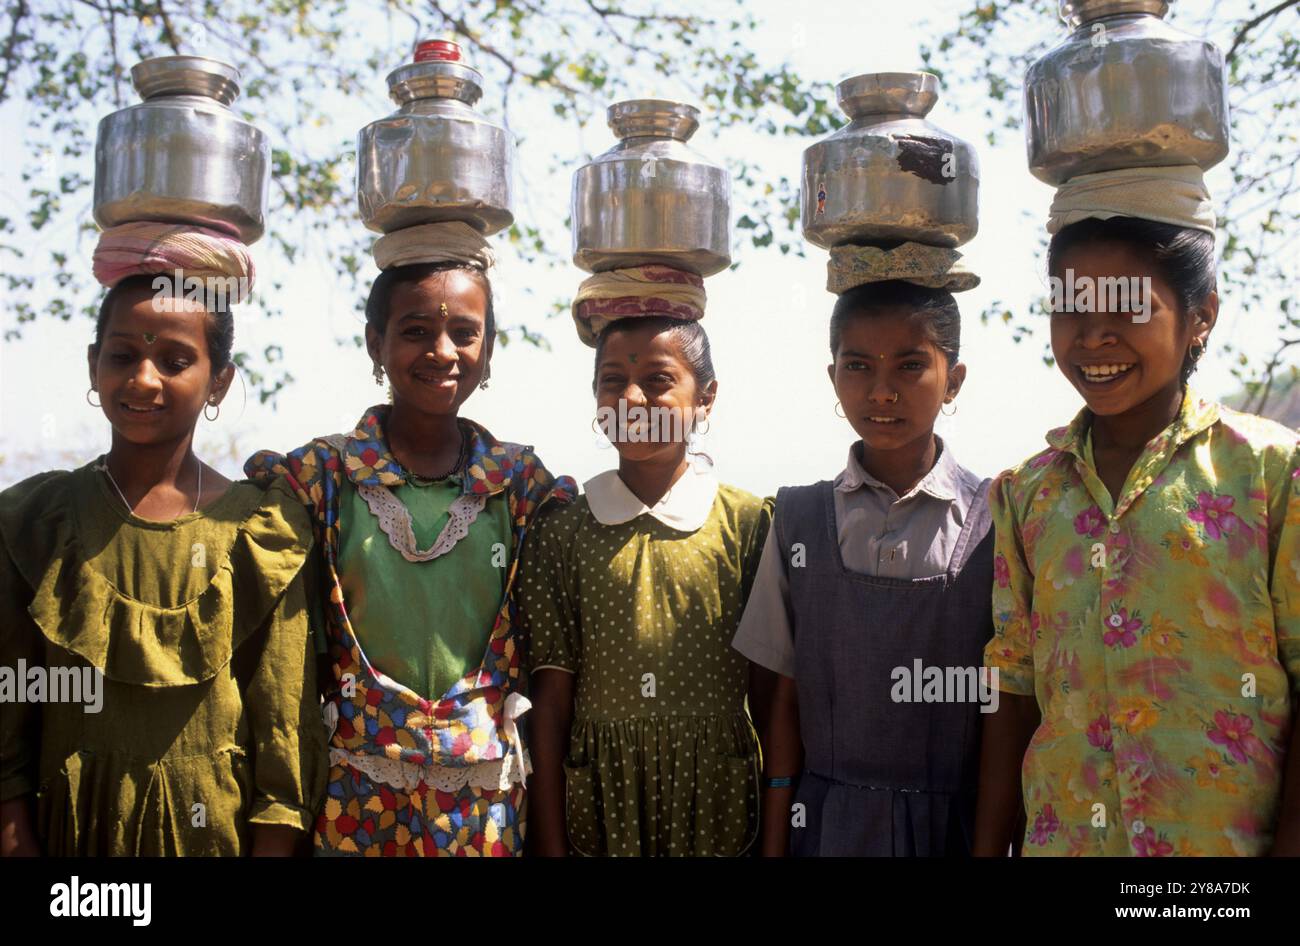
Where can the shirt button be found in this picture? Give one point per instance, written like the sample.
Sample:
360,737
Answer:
1114,526
1115,620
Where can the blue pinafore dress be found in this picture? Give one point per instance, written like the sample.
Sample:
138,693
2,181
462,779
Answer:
885,774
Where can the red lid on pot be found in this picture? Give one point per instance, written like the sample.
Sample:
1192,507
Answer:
437,50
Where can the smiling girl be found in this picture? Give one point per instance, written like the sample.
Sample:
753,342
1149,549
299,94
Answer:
184,592
420,515
886,567
1147,600
630,596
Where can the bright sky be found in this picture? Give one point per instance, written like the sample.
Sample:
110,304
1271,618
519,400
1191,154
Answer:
774,423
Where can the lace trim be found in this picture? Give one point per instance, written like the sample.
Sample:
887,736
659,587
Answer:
499,774
395,522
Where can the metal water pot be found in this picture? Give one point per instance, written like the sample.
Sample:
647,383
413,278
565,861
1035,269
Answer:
890,175
652,198
1124,90
436,158
181,155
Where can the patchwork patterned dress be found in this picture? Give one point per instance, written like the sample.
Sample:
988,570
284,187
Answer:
412,773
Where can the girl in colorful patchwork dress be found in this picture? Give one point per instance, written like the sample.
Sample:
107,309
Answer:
1147,593
871,588
420,515
630,595
173,602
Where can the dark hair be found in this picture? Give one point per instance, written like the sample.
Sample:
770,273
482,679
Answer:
1184,256
219,330
936,308
379,302
691,339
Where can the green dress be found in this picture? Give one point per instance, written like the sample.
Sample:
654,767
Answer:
663,759
424,624
208,717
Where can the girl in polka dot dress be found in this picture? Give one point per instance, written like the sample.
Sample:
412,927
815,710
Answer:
630,596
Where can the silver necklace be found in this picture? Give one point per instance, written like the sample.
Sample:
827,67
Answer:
104,466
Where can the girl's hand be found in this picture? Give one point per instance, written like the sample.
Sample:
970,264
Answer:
17,839
548,847
1000,809
275,840
774,704
1286,834
552,717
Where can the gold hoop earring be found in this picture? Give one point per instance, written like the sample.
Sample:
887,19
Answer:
378,374
839,412
948,413
89,392
212,404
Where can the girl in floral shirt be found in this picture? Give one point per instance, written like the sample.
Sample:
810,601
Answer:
1146,595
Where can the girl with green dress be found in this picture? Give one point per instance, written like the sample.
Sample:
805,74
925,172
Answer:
630,597
420,515
175,599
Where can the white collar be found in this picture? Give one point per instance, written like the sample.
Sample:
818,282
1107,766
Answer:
685,507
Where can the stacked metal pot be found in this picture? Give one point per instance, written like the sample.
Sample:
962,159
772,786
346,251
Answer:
182,155
652,199
889,176
435,159
1124,90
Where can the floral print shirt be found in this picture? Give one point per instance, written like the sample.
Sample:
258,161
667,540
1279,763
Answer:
1160,635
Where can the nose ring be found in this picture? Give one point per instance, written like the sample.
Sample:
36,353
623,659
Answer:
894,399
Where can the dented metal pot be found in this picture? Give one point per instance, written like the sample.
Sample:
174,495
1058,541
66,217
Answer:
436,158
181,155
1124,90
890,175
652,198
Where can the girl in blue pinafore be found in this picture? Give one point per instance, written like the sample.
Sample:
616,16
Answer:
869,586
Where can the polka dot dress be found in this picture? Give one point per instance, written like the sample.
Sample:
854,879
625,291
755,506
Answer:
662,757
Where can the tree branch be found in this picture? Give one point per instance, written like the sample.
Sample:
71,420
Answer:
1251,24
1270,373
678,21
464,29
172,41
605,15
11,46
